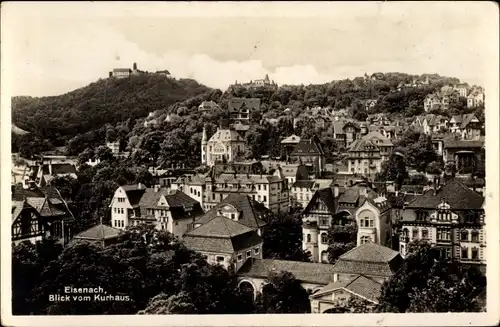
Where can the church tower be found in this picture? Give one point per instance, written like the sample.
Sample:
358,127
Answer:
204,142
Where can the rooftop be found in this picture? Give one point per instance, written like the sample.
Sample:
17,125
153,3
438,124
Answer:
361,286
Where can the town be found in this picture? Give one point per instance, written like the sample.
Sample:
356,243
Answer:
356,196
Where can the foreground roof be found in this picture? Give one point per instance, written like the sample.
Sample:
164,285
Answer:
98,233
361,286
315,273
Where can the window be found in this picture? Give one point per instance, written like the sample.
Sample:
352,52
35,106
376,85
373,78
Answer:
323,221
308,238
213,196
233,216
365,239
475,254
240,257
258,187
425,234
264,198
367,222
122,210
464,236
475,236
464,253
324,238
444,234
256,251
114,210
264,187
249,254
219,259
414,233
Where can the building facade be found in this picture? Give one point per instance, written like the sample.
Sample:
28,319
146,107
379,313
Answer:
226,145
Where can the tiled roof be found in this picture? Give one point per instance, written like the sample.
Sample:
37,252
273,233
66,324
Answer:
463,144
63,169
250,215
99,232
457,119
467,119
361,285
226,135
369,259
303,184
370,252
44,208
180,205
315,273
134,194
121,70
455,193
292,139
220,226
363,145
19,193
17,208
375,135
307,147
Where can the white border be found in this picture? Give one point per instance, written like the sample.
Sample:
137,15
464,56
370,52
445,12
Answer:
257,9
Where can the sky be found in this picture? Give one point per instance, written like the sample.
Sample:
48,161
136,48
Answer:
53,48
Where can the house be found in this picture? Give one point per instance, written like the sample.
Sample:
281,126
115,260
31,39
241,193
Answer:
385,144
364,157
464,154
294,172
101,235
43,170
456,123
303,190
242,129
434,123
450,218
311,154
359,273
317,218
169,210
475,99
373,219
288,144
462,89
471,127
371,260
164,72
264,82
114,147
240,208
239,167
121,72
211,188
226,145
335,296
240,109
208,106
432,102
351,131
225,242
312,276
40,213
379,119
370,104
377,76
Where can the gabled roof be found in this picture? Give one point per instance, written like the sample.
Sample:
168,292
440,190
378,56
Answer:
180,205
303,184
18,207
455,193
338,127
235,104
250,215
308,272
220,226
225,135
44,207
292,139
377,136
307,147
361,286
369,259
363,145
134,196
326,196
457,119
467,119
221,235
98,233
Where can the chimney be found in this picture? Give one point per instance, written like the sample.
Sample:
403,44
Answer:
139,185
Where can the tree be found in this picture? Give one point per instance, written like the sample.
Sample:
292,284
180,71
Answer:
283,293
426,283
173,304
340,240
283,239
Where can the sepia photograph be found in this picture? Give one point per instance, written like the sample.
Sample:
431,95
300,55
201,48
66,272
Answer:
258,163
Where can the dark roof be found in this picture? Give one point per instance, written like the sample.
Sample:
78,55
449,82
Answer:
315,273
62,169
467,119
99,232
417,189
303,184
326,196
250,214
463,144
18,207
307,147
369,259
221,235
45,208
361,286
455,193
19,193
180,204
134,193
235,104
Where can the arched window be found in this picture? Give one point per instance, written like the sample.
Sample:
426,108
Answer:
365,239
308,238
414,233
324,238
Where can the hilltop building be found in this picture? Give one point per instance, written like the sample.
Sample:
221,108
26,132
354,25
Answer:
226,145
